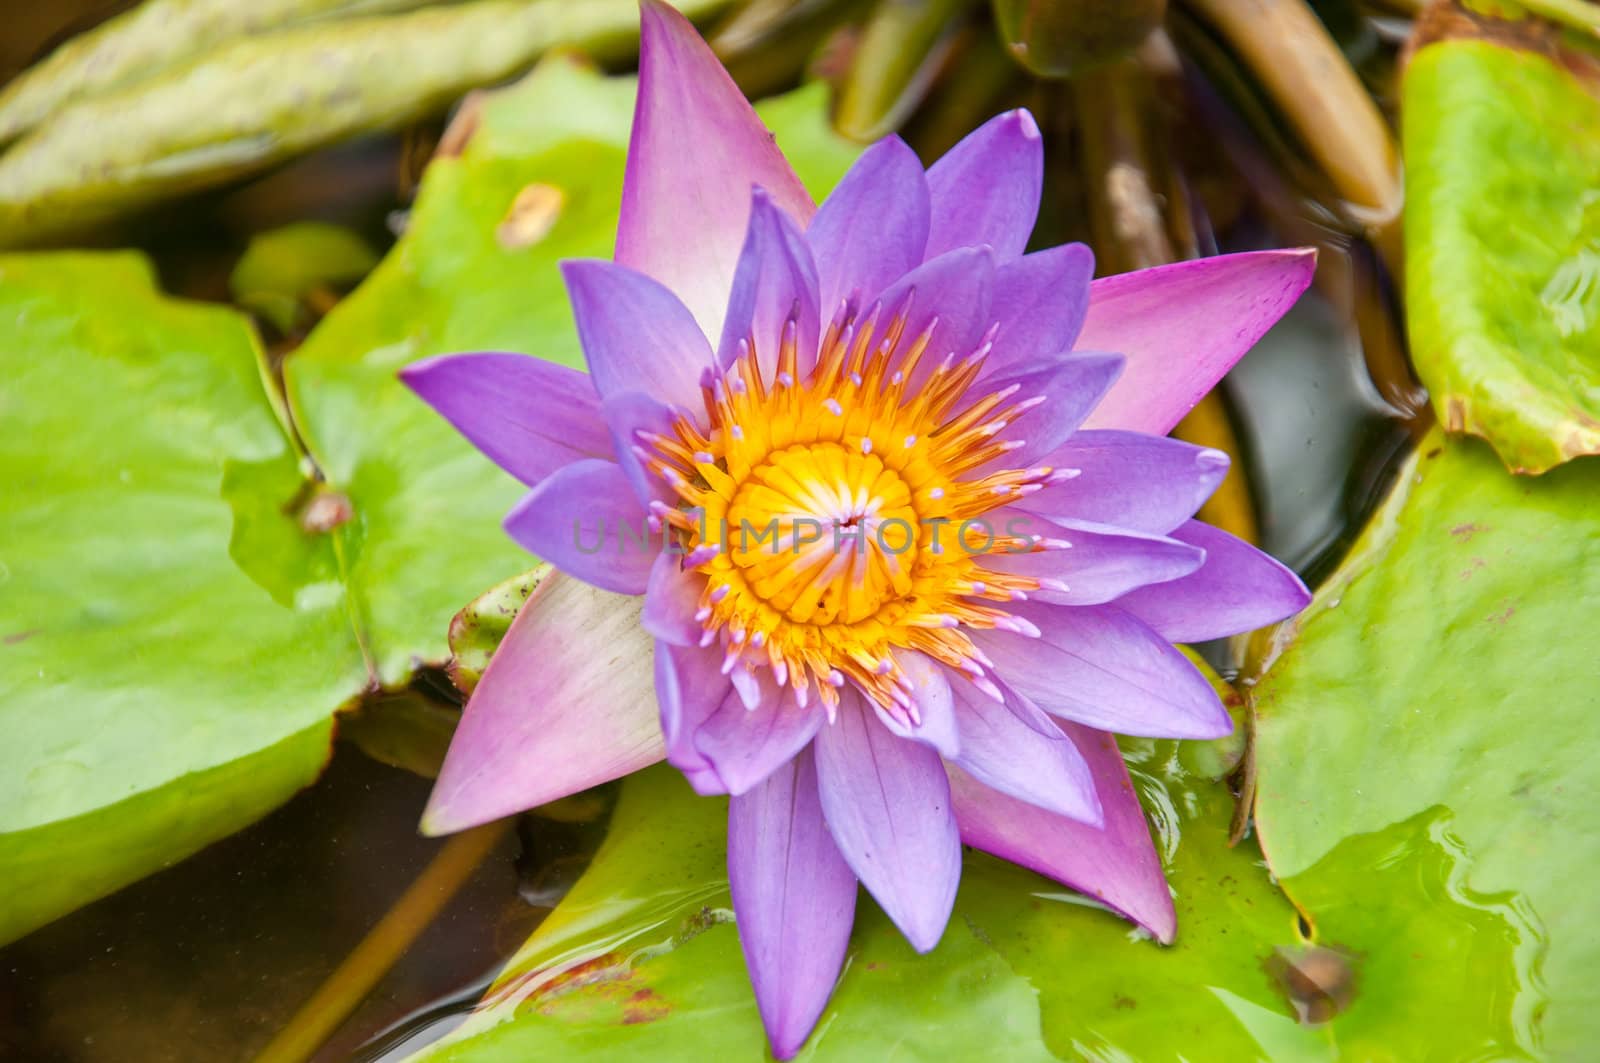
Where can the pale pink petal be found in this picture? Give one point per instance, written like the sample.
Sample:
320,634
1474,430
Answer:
1115,863
566,703
1181,327
696,152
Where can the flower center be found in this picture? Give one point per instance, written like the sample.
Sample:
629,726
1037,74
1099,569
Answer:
823,534
841,517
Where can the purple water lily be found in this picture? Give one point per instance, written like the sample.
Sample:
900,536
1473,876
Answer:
907,551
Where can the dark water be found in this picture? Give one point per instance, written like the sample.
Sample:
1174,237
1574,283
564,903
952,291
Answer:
209,959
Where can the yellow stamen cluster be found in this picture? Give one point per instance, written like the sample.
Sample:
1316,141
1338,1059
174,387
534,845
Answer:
836,517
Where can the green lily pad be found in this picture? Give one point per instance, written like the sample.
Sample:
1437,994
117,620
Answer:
470,273
1426,739
155,693
1502,150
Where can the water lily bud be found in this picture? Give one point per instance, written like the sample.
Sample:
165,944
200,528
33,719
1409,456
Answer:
1059,38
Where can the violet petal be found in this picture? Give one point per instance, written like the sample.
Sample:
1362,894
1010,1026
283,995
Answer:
1102,563
584,520
636,335
1102,667
873,228
1039,301
1239,588
1014,747
986,189
744,746
529,416
775,281
887,804
794,897
1130,480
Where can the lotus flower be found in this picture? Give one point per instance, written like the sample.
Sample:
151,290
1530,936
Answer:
972,545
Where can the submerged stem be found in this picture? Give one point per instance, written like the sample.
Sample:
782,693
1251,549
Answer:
369,961
1129,181
1288,49
901,50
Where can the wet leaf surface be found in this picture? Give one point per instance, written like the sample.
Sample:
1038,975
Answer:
1426,744
155,692
642,956
1503,246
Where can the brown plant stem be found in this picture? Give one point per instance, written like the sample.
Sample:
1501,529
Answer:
902,49
1289,51
1129,185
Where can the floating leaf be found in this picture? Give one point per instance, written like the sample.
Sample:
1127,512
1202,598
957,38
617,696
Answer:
1502,150
174,642
1426,741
